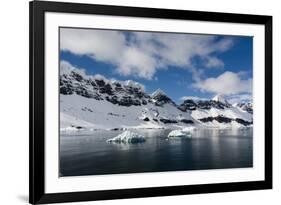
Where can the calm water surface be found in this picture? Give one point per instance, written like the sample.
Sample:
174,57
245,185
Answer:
90,154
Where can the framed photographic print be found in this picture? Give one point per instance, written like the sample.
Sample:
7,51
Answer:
139,102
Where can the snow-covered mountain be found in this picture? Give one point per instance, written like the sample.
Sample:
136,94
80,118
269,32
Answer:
95,102
217,113
246,106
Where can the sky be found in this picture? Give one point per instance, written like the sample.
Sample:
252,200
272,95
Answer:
184,66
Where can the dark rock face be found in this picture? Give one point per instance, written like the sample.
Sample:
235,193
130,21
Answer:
146,119
222,119
128,101
144,102
219,118
106,89
137,102
66,90
118,87
219,105
100,89
83,92
113,99
100,83
125,101
202,104
77,76
167,121
188,105
205,105
77,127
115,129
243,122
187,121
160,98
66,87
207,119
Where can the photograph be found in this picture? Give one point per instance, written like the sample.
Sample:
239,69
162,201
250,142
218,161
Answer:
132,102
145,101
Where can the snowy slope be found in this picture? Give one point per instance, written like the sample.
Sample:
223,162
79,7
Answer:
97,114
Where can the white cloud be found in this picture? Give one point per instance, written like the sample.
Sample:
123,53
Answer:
228,83
214,62
66,68
136,63
142,53
195,98
99,44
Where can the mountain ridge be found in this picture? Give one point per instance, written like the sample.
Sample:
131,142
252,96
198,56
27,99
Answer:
125,104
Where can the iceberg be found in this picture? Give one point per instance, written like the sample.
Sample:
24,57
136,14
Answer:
181,133
127,137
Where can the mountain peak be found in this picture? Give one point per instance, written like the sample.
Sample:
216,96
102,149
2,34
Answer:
158,92
220,98
161,98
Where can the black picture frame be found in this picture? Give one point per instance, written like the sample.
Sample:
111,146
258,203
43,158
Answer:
37,194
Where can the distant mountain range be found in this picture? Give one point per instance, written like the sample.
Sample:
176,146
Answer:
94,102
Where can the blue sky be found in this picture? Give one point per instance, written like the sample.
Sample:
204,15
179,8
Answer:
179,64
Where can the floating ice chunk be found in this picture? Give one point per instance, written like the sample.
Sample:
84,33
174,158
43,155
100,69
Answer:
185,132
127,137
179,133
